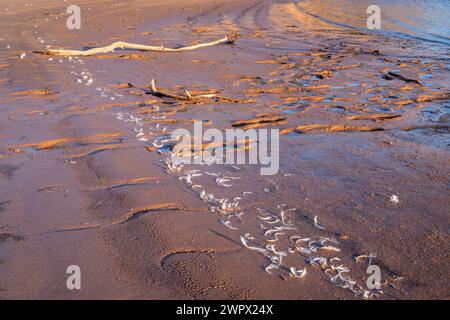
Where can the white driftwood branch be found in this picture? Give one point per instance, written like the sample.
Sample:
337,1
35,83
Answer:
188,96
141,47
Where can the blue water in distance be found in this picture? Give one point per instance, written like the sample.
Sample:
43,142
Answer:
428,20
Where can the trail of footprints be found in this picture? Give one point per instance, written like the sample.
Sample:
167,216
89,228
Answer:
278,238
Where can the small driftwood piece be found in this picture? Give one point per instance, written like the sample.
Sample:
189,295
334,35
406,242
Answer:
228,39
188,97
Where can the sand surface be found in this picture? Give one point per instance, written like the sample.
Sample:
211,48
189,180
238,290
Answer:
363,117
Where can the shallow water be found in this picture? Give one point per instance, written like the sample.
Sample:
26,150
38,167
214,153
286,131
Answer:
421,19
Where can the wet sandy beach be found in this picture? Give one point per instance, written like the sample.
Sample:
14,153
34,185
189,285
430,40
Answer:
86,177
